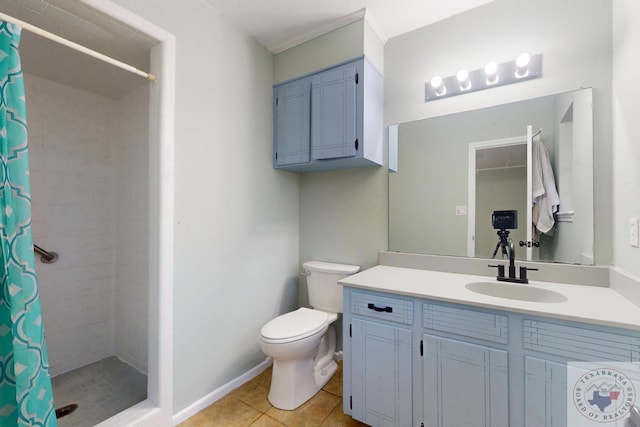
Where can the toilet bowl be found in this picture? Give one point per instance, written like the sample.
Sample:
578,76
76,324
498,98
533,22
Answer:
302,343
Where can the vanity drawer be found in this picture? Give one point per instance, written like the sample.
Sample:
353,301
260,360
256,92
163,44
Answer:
467,323
382,307
585,344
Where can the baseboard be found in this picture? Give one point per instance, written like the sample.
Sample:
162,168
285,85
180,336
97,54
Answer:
220,392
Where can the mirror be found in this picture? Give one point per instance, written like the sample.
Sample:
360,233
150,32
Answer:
435,209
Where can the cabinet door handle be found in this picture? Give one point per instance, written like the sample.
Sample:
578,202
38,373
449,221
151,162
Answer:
386,309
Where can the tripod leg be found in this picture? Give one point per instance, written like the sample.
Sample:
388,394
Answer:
496,251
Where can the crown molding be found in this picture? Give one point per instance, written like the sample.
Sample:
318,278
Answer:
375,26
349,19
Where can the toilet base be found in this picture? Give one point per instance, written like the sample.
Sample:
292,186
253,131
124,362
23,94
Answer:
295,381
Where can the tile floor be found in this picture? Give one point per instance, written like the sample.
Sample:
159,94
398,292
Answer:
101,390
248,406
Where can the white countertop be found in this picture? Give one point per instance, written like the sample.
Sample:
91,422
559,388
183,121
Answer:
589,304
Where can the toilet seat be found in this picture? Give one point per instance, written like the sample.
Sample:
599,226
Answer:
294,326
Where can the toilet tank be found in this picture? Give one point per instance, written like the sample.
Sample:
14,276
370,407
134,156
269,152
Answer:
322,283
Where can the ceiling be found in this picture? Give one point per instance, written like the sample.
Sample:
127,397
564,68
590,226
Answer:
509,156
82,24
276,24
280,24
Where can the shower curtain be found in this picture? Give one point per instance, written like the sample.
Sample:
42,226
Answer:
26,398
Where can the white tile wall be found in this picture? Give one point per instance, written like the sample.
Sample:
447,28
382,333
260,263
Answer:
132,225
78,211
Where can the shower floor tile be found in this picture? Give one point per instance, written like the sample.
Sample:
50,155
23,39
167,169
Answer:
101,390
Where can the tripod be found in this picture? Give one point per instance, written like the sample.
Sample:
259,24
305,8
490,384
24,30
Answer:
503,242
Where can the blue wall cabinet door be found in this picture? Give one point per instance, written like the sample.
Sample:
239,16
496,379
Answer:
292,115
545,393
333,95
381,374
330,119
464,384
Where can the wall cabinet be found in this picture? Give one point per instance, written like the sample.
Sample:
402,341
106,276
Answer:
292,103
446,365
331,119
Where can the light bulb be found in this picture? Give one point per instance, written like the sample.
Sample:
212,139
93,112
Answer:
523,60
491,71
438,87
463,79
491,68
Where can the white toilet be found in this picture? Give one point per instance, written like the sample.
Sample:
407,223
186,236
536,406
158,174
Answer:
302,343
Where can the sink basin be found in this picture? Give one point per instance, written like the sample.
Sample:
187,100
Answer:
515,292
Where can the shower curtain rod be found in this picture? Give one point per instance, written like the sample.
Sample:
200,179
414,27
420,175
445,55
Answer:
76,46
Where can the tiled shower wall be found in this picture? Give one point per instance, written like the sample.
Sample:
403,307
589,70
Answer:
132,229
75,140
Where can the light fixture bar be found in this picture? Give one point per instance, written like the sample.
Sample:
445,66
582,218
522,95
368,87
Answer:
484,78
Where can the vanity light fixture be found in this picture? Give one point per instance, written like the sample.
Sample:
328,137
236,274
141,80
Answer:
524,67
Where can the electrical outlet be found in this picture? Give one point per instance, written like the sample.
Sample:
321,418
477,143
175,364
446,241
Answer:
461,210
633,232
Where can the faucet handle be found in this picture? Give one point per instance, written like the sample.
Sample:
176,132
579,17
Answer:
523,273
500,268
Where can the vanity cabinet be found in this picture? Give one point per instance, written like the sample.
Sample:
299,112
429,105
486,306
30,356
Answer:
381,374
549,346
446,364
465,384
545,393
328,120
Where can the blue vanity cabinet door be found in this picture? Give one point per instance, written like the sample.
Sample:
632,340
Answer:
381,374
464,384
545,393
292,121
545,381
333,120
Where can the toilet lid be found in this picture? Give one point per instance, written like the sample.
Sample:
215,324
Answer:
295,325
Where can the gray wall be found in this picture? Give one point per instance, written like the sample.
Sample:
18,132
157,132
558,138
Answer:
332,48
432,176
343,214
238,221
626,134
499,31
236,218
500,189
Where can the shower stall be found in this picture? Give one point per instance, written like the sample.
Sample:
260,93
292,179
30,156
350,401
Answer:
98,139
90,201
101,171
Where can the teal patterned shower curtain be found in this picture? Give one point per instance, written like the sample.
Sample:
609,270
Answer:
26,398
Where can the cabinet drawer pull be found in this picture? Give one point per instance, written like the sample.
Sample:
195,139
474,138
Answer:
386,309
